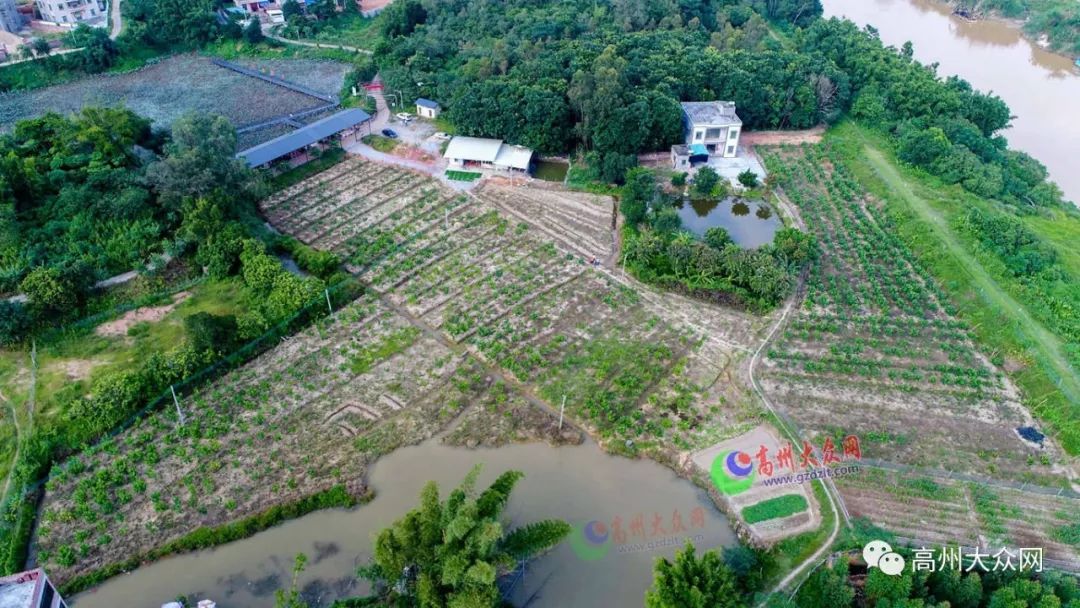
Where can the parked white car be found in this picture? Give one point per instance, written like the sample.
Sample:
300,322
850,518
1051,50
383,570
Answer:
439,135
403,117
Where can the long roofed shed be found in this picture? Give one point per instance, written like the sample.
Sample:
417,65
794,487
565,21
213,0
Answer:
303,137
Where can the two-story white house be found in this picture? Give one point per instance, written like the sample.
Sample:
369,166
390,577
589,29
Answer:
712,124
69,13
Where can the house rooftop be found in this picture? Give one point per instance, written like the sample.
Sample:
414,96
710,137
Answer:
517,157
21,590
476,149
711,112
427,103
302,137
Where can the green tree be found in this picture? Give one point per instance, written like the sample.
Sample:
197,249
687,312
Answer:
881,586
99,51
692,582
705,181
827,587
291,9
717,238
253,32
291,598
41,47
15,323
200,161
748,178
209,332
450,552
637,194
794,247
49,292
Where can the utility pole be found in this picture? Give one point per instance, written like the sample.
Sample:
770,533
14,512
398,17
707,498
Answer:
562,409
328,306
179,412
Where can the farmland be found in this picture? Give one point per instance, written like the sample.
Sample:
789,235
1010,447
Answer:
165,90
474,326
939,511
876,350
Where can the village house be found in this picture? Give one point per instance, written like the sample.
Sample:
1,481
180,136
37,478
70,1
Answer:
481,153
712,124
71,12
10,18
30,589
425,108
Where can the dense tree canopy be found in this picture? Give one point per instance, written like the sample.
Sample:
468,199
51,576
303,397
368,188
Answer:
91,196
450,552
604,76
693,582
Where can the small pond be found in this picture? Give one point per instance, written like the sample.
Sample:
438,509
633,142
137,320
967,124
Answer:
551,170
750,223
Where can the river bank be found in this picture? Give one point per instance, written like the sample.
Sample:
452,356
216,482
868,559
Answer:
1039,86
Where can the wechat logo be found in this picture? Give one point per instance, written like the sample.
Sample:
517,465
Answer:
879,554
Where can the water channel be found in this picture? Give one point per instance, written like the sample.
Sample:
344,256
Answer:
578,484
1040,87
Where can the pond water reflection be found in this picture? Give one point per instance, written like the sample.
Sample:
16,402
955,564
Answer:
750,223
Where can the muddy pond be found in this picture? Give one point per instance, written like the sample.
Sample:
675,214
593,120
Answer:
750,223
656,509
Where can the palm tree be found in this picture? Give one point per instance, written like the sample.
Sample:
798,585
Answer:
450,553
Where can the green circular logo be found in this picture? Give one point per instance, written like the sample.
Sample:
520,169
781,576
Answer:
591,540
733,472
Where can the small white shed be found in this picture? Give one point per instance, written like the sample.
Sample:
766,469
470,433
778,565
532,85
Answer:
426,108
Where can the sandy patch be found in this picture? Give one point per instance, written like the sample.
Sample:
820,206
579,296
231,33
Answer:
152,314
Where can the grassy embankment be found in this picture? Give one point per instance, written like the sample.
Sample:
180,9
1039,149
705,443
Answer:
1002,312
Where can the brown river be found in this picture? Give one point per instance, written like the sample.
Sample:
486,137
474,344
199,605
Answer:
577,484
1040,87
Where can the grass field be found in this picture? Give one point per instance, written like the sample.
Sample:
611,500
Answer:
775,508
463,176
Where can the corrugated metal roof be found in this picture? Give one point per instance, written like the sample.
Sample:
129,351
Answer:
427,103
517,157
475,149
706,113
305,136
